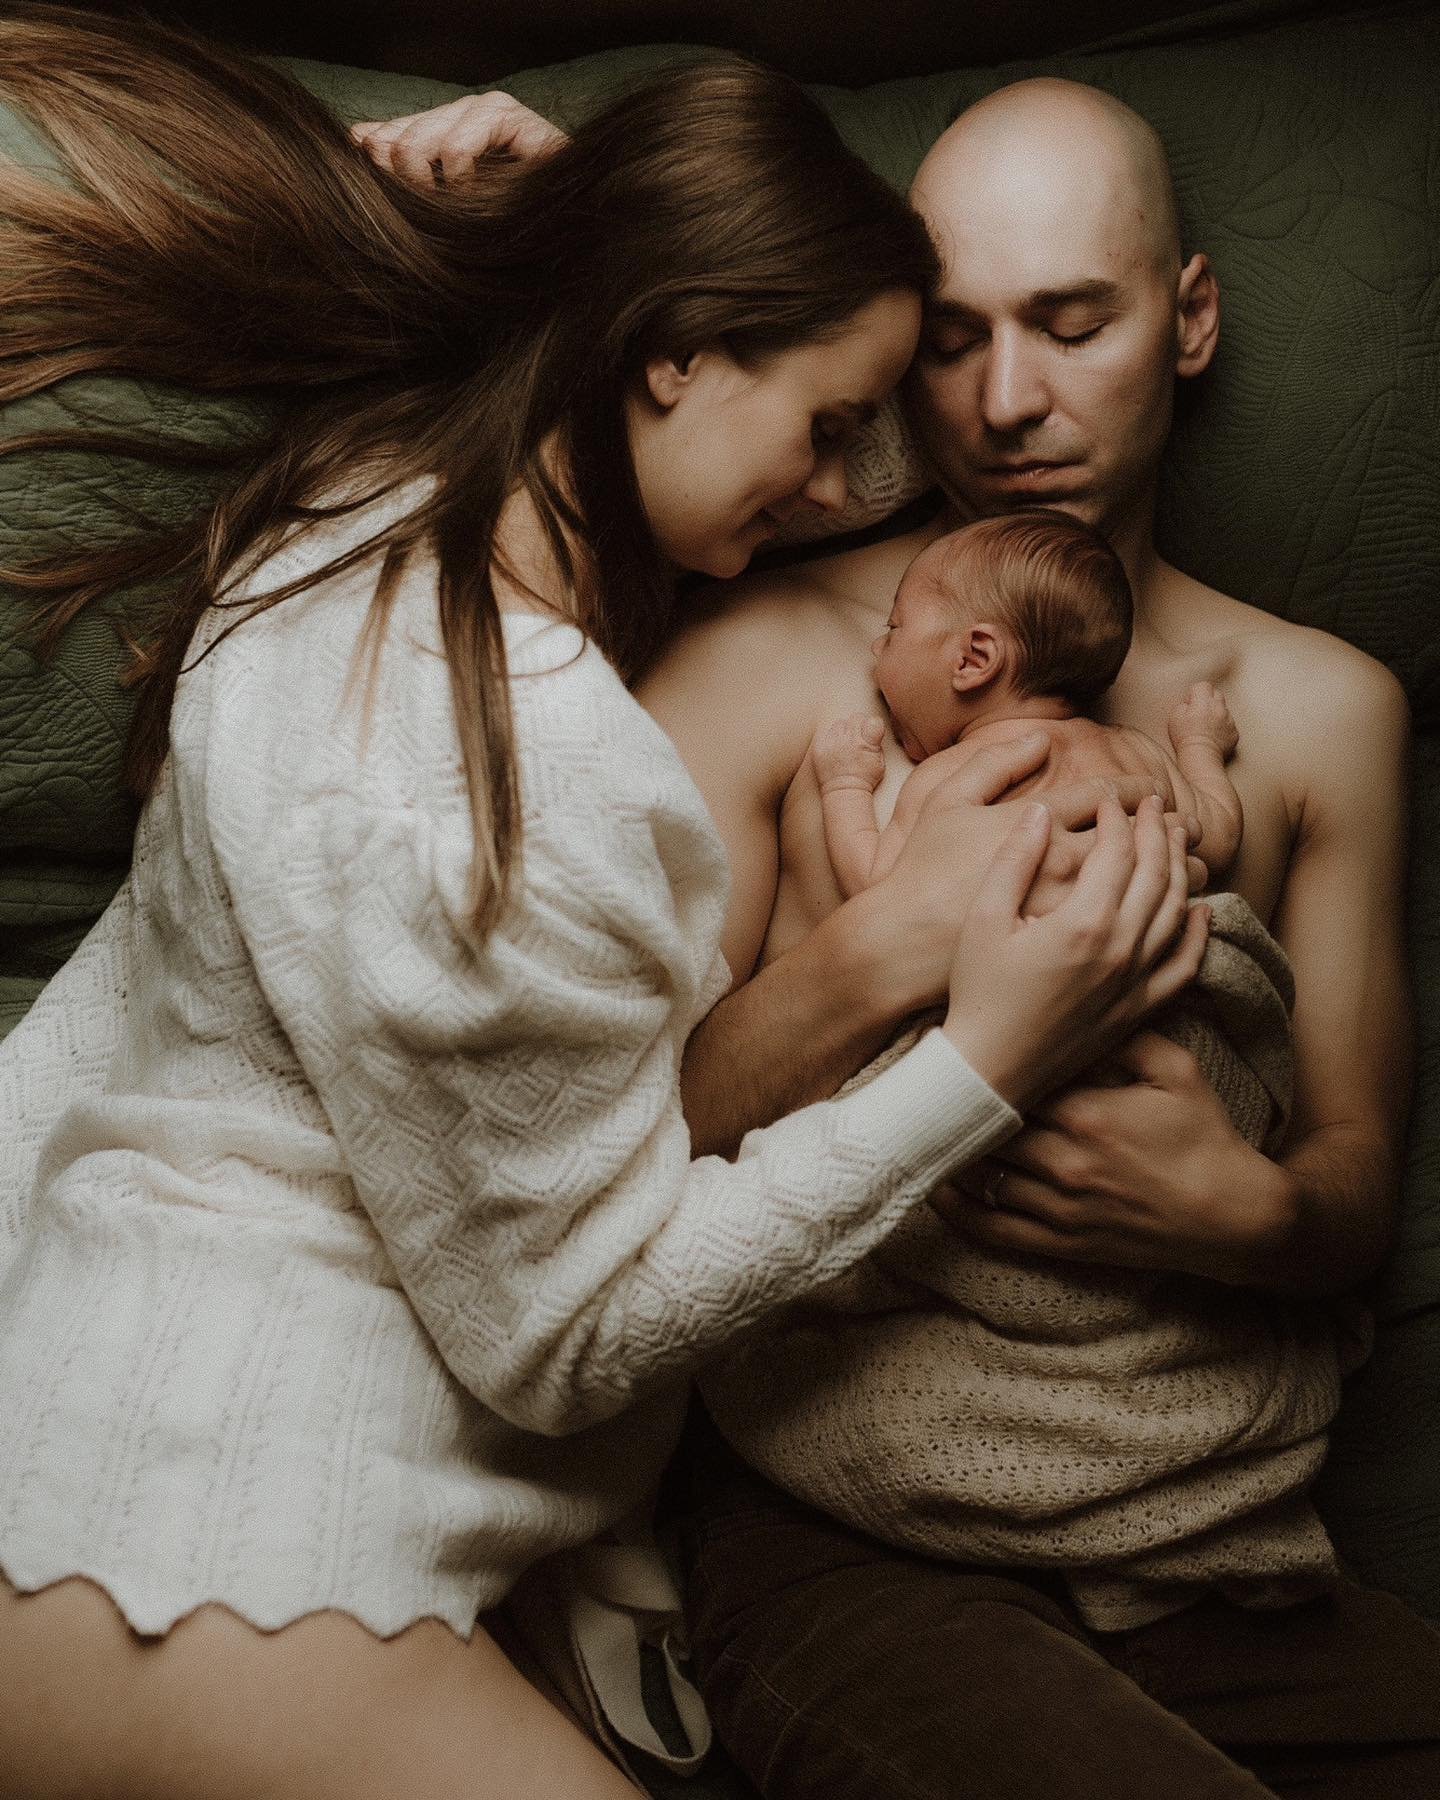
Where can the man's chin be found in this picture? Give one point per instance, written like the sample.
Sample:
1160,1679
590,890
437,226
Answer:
989,502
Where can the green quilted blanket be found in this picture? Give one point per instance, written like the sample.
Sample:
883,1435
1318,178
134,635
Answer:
1304,475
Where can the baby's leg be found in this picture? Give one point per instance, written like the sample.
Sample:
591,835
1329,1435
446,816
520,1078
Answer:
849,764
1205,737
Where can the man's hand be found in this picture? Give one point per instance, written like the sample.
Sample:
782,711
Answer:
442,147
1138,1168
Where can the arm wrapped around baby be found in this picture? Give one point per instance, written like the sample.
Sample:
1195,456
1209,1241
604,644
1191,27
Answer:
1142,1433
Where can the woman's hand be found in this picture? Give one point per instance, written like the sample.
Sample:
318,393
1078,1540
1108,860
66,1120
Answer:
917,909
1033,1000
443,146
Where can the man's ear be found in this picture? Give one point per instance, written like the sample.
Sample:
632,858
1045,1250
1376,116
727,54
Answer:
977,656
667,377
1198,312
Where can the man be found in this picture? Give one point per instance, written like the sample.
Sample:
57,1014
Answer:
1046,376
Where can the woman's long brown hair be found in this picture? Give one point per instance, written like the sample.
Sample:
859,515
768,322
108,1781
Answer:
214,225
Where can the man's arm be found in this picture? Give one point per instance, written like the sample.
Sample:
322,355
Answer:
1153,1174
1341,921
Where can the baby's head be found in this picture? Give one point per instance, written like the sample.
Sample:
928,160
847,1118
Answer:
1028,606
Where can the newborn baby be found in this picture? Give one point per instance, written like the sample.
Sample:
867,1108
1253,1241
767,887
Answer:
1007,625
1145,1434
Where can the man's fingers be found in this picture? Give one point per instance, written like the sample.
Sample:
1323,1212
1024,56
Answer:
991,771
1016,863
1000,1229
1106,873
1150,1056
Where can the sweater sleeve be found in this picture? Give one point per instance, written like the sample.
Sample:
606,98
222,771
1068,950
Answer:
509,1111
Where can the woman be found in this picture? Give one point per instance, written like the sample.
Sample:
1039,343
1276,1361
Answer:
366,1264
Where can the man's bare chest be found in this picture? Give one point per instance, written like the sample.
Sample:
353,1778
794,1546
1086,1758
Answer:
806,891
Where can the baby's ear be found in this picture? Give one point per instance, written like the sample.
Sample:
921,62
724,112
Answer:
977,656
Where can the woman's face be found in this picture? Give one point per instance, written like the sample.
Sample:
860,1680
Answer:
726,454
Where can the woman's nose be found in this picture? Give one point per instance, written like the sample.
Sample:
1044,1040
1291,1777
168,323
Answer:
828,486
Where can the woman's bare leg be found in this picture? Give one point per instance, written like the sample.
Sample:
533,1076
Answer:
217,1710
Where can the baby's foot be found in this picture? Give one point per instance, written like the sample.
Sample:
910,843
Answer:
847,753
1203,717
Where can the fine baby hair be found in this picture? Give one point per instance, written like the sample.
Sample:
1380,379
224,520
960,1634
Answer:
1055,586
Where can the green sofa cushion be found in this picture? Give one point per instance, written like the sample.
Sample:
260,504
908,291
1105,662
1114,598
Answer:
1304,475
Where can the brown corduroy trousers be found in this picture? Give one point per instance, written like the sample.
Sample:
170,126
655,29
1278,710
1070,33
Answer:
837,1668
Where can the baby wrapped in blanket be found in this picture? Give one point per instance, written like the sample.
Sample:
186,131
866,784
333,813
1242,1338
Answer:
1143,1434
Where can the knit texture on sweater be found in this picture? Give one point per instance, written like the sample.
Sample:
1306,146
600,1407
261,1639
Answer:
1146,1434
347,1260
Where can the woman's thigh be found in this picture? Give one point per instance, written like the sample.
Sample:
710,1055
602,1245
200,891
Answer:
217,1710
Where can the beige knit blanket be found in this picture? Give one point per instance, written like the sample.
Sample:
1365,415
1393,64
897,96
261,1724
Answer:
1144,1434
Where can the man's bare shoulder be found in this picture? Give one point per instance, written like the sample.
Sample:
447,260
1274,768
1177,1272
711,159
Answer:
1271,653
1316,699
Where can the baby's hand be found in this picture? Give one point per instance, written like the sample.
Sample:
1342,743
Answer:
1203,717
847,753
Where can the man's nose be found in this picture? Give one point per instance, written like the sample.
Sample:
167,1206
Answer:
1013,391
828,486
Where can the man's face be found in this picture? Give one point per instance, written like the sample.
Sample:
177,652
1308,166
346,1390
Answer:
1046,370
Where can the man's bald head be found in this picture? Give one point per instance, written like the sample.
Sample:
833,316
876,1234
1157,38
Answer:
1049,148
1047,366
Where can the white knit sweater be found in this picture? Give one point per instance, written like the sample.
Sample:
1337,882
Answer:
347,1261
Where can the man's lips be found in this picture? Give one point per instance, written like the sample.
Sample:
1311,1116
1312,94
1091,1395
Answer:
1029,470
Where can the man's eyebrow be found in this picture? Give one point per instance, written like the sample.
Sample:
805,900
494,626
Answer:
1096,292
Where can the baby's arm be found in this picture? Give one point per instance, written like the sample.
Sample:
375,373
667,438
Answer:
849,764
1205,737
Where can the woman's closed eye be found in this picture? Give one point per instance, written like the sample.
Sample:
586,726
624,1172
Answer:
945,347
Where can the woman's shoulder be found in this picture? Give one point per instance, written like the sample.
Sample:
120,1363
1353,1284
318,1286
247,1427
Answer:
312,700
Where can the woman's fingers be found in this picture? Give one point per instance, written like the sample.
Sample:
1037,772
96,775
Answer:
1178,969
531,135
1149,882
